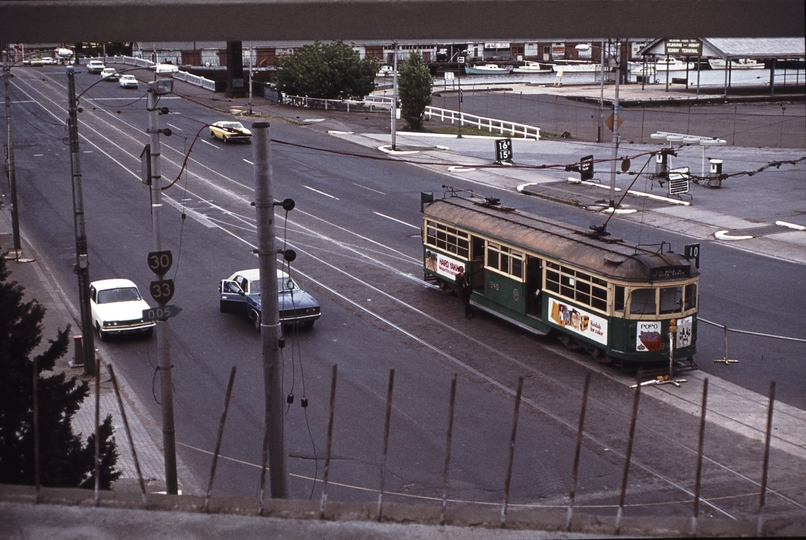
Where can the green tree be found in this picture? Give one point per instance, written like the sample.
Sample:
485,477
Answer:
414,91
64,460
329,71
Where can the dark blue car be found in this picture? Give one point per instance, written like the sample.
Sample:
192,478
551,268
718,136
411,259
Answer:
240,293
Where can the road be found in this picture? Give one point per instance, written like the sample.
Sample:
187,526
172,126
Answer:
356,232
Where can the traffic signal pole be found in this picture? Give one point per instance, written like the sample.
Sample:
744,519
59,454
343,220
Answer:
270,316
163,329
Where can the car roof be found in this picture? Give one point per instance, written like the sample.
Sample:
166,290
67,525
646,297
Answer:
254,273
117,283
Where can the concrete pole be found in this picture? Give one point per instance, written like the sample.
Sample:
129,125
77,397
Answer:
270,316
615,139
163,330
11,169
82,267
394,101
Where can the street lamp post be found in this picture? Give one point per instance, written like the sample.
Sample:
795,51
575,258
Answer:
615,139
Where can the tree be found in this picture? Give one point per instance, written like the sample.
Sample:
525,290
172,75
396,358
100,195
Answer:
329,71
414,90
64,460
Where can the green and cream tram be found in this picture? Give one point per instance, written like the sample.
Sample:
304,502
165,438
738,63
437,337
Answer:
616,300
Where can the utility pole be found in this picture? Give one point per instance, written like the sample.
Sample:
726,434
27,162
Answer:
82,267
11,169
614,156
270,316
394,101
155,90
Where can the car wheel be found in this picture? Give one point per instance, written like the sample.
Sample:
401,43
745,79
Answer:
255,316
226,139
101,334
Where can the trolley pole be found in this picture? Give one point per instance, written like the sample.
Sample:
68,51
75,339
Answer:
155,89
270,316
10,167
82,267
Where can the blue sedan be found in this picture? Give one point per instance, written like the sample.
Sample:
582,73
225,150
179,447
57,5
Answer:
240,293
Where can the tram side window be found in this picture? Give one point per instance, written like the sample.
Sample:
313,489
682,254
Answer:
642,301
576,285
671,299
505,260
619,302
448,238
691,296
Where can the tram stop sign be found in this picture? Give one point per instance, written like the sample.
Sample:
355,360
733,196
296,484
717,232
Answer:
503,150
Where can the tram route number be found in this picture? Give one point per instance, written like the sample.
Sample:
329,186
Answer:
160,261
162,291
162,313
692,251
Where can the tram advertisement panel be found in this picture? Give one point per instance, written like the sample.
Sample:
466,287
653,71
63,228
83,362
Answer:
579,321
683,333
442,265
647,337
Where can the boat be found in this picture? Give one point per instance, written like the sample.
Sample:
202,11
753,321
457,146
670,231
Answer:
739,63
576,66
663,64
532,67
488,69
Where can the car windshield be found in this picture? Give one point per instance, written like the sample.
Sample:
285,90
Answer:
284,285
127,294
231,125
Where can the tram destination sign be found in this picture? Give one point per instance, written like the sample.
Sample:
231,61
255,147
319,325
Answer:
669,272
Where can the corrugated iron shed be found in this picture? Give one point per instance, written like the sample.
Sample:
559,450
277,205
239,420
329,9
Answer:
739,48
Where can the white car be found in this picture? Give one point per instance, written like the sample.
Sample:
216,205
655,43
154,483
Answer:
109,74
128,81
166,68
117,308
95,66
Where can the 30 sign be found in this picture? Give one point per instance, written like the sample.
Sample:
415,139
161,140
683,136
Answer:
160,262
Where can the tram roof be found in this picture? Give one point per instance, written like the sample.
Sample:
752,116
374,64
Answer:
601,255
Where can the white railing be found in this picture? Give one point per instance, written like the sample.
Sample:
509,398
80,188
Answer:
189,78
334,104
481,123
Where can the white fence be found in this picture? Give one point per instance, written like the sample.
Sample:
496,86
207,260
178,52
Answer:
336,104
189,78
480,122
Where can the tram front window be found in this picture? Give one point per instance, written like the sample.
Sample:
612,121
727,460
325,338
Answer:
642,302
671,299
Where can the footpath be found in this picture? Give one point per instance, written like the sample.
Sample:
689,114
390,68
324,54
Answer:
761,213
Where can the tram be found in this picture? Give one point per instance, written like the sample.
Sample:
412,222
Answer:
624,303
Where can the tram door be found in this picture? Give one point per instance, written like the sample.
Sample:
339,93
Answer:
534,279
476,272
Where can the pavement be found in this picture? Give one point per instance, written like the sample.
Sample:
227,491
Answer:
762,213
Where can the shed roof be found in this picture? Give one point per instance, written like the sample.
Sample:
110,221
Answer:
739,47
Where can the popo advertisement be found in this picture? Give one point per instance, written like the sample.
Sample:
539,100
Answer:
442,265
578,321
648,336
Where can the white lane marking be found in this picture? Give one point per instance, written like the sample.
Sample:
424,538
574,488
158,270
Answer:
723,235
790,225
395,219
210,144
173,126
368,188
246,160
320,192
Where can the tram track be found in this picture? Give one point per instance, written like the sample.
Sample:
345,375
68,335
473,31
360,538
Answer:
242,224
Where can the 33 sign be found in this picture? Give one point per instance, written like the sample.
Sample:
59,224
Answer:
160,262
162,291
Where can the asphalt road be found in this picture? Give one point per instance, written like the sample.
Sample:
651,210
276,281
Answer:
356,231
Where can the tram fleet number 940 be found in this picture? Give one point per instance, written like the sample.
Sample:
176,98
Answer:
615,299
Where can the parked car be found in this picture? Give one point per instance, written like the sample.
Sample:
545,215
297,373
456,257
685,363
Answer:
128,81
240,293
109,74
95,66
230,131
117,308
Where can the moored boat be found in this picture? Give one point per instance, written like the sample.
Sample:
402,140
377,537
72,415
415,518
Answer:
488,69
739,63
576,66
663,64
532,67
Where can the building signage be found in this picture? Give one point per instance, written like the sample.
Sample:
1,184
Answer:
683,47
442,265
578,321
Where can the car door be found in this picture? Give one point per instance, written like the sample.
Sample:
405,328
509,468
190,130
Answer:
232,298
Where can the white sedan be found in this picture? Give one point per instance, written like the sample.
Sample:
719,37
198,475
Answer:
129,81
117,308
